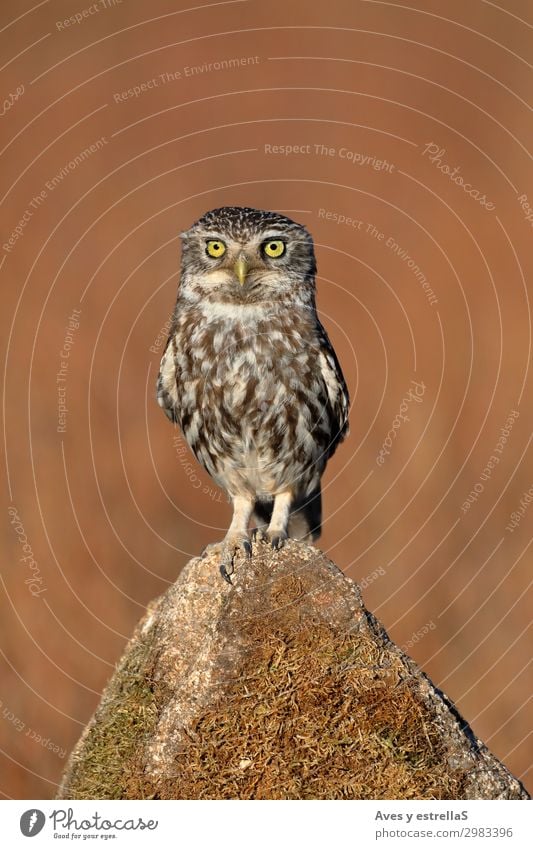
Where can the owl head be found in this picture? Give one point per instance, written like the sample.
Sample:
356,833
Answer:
242,255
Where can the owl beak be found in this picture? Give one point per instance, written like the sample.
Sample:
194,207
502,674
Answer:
241,268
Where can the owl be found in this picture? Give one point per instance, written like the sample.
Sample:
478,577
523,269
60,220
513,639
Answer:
250,376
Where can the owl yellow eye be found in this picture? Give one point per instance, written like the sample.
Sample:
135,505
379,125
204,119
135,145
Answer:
274,248
215,248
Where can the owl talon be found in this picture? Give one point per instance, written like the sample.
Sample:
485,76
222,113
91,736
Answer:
225,574
226,552
277,541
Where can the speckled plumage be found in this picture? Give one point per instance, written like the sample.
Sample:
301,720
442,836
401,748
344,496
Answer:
249,373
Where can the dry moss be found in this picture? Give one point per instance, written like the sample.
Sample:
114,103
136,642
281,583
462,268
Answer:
111,754
314,715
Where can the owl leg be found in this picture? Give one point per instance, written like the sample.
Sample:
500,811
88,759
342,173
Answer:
237,536
277,529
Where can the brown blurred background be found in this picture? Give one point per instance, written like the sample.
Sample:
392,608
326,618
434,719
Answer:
121,127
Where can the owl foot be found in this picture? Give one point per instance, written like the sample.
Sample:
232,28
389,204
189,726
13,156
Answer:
227,551
276,538
230,547
277,530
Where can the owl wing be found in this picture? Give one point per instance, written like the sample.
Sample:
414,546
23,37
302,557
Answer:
337,391
167,387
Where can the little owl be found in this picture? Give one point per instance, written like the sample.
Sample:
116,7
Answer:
250,375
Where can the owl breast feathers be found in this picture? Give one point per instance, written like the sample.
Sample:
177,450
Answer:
249,373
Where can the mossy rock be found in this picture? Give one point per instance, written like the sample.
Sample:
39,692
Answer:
281,686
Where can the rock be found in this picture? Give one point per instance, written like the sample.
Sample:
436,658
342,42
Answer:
281,686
